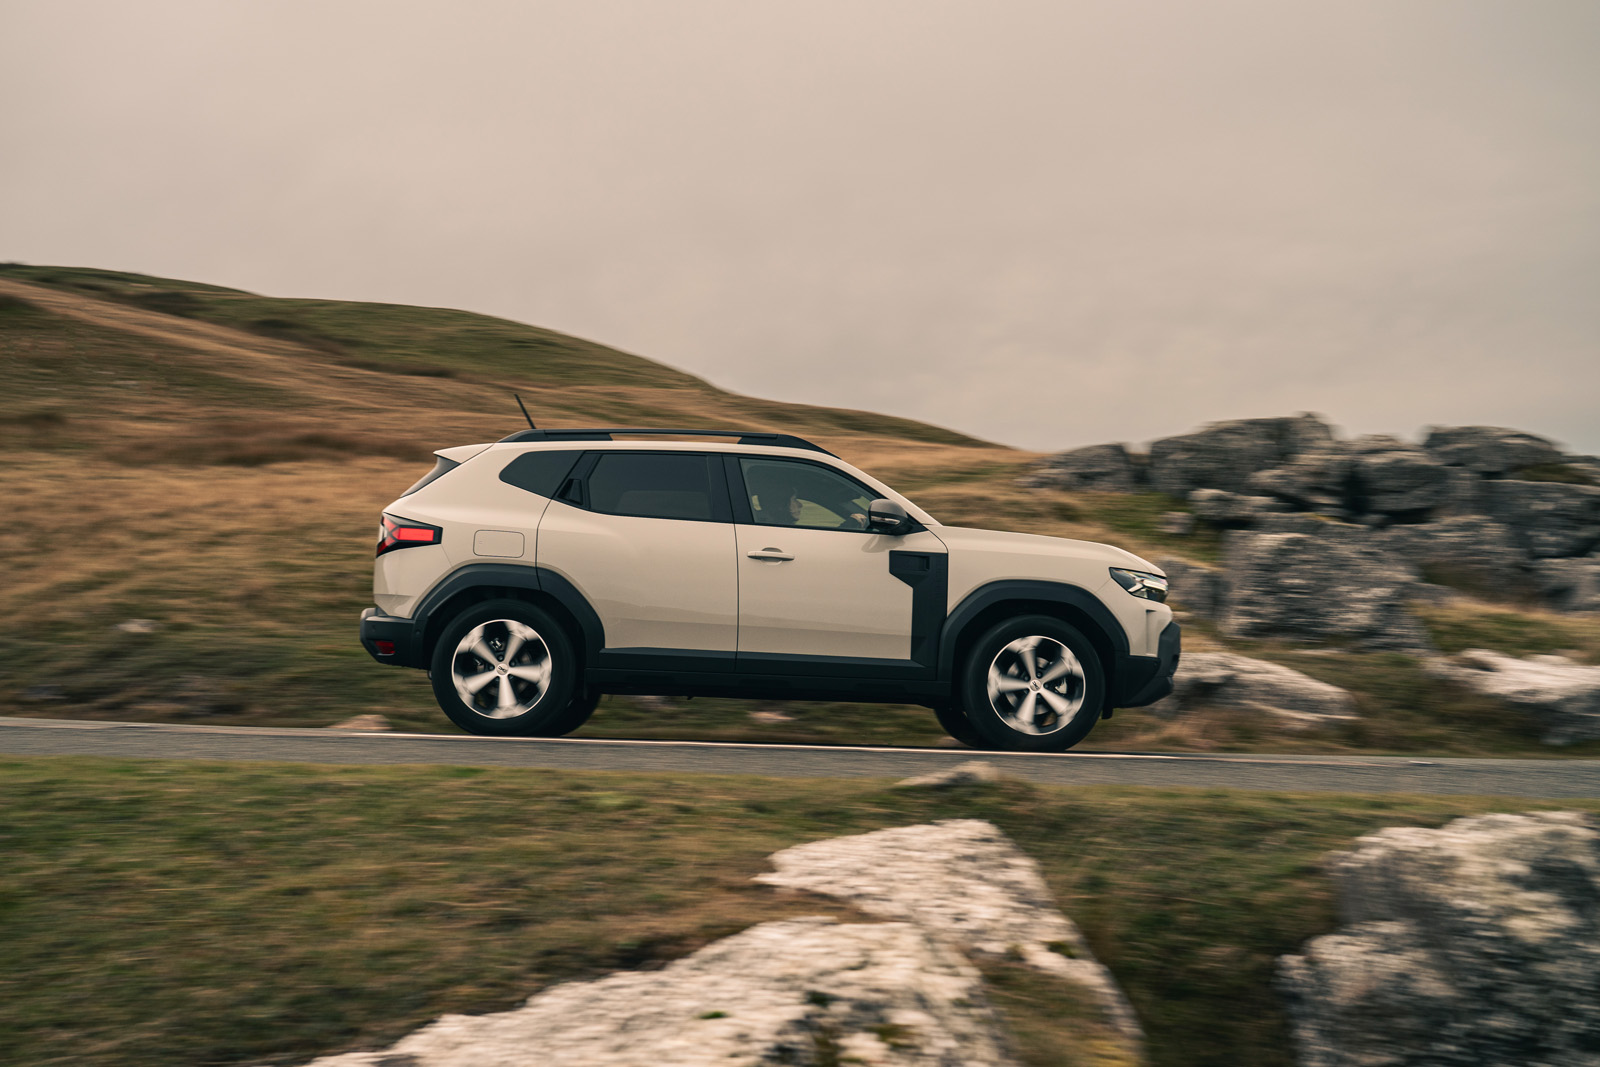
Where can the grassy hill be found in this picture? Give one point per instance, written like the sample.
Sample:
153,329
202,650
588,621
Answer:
213,462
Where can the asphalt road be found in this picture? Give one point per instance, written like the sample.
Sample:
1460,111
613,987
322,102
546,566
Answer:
1317,774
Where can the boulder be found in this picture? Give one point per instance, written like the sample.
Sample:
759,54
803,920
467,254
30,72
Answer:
1192,586
1106,467
1474,944
1335,584
1390,477
1318,480
1375,474
1223,455
1468,550
1222,679
1222,508
1550,519
1562,696
800,991
1570,584
965,881
1489,449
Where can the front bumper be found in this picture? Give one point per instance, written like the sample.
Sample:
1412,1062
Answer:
1144,680
388,639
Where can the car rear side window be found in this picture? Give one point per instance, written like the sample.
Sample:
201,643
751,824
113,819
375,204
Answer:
654,485
540,472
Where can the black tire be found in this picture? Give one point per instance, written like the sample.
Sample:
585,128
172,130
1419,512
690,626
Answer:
955,723
1033,712
533,696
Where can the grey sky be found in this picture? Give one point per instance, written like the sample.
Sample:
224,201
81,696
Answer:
1043,223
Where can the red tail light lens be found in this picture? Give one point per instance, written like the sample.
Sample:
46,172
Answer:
404,533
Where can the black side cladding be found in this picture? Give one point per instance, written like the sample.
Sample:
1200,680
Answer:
540,472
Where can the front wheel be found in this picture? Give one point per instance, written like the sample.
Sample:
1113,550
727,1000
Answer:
1033,684
505,668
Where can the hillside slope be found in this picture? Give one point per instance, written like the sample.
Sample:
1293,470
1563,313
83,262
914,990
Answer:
194,473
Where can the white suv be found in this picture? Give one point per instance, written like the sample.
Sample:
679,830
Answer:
532,575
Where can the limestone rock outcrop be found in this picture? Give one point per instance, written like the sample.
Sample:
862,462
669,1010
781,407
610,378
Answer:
1561,695
801,991
1223,455
966,881
1107,467
899,993
1477,943
1489,449
1316,586
1226,680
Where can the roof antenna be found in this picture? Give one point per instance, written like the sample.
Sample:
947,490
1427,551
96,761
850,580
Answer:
525,414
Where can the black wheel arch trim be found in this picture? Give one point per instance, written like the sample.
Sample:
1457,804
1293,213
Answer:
1127,673
502,576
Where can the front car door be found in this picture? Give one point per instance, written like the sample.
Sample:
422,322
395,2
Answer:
817,587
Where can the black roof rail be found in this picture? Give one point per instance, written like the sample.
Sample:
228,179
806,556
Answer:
745,437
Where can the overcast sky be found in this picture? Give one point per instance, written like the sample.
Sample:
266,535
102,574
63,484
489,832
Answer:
1044,223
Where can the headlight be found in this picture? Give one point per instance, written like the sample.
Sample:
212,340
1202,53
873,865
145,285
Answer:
1141,584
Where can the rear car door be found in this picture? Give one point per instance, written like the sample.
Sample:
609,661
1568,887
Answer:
647,538
817,587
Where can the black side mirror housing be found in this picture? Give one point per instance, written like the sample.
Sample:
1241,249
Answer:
886,517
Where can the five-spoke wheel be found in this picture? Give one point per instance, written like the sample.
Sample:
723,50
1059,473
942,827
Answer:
1032,683
506,667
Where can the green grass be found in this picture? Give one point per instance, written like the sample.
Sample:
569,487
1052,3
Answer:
173,912
1455,628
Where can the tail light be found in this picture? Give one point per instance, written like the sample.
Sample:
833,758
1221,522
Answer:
404,533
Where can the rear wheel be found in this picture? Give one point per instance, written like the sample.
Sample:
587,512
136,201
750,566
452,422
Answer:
506,668
1033,684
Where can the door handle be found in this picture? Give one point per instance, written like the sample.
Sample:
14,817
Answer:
771,555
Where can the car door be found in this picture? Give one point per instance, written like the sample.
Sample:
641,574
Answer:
647,538
818,587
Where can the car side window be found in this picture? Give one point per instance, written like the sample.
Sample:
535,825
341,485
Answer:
652,485
790,493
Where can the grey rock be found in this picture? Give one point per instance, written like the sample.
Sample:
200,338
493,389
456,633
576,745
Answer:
1477,943
1103,467
1570,584
1335,584
1563,696
1226,680
965,881
1223,455
1318,480
1469,550
1375,474
1193,586
800,991
972,772
1300,522
1550,519
1175,523
1390,477
1489,449
1223,508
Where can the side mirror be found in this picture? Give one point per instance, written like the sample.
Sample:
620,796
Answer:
887,517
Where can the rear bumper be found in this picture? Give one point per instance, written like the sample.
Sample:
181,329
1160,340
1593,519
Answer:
388,639
1144,680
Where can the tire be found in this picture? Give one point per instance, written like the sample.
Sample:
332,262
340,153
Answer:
1032,684
530,693
955,723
